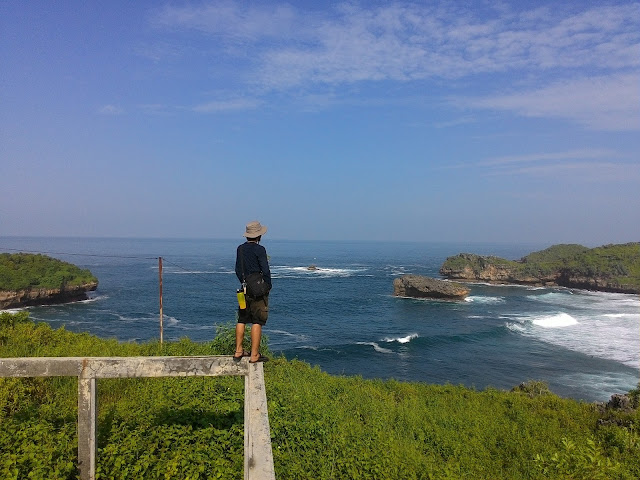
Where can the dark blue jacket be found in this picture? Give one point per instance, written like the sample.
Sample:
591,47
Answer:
255,260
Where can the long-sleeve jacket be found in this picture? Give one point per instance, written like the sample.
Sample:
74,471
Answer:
255,260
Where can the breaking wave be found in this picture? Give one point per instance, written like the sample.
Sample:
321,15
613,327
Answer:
406,339
481,299
376,347
284,271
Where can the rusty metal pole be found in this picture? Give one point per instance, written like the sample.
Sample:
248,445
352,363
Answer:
160,284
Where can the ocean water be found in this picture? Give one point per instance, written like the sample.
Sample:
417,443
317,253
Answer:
344,318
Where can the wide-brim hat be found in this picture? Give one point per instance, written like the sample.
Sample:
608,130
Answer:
254,229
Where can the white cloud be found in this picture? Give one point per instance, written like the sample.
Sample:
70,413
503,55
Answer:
110,110
283,48
403,41
593,165
227,105
554,156
594,172
602,103
231,20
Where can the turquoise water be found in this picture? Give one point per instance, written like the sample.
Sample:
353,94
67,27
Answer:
343,316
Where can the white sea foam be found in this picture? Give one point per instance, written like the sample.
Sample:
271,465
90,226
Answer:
189,272
12,311
284,271
605,385
481,299
516,327
406,339
297,336
551,297
376,347
94,299
602,325
559,320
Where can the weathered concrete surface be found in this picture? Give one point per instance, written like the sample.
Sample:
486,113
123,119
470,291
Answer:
258,456
87,427
121,367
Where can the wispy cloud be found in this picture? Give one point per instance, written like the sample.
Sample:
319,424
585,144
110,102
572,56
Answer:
227,105
602,103
110,110
455,122
232,21
593,172
551,157
285,48
594,165
402,41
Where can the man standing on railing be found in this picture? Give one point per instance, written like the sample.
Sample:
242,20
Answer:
251,258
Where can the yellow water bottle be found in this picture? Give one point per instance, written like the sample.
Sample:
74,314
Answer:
242,301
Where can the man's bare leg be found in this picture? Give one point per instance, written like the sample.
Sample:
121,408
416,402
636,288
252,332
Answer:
256,333
239,338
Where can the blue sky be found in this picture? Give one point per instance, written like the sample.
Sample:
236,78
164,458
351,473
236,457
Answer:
437,121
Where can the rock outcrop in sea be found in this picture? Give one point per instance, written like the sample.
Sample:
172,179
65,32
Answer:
416,286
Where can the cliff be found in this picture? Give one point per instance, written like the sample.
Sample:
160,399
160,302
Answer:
44,296
610,268
28,279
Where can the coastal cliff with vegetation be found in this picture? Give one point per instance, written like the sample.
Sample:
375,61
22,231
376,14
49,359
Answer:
33,279
610,268
322,426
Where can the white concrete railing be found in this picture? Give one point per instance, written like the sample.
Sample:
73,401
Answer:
258,456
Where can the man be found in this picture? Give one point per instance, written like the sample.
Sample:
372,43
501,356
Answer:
251,257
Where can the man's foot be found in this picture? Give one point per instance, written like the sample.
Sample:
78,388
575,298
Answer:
260,358
238,355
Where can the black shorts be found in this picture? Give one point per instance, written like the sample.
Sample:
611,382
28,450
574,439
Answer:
257,310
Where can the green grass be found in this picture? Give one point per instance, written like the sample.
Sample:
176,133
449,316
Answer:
322,426
23,271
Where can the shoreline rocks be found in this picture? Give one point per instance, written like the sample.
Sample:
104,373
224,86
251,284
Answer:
417,286
44,296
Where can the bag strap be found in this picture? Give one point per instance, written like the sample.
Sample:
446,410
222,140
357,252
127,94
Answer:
244,281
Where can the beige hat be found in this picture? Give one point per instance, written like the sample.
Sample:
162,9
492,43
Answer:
254,229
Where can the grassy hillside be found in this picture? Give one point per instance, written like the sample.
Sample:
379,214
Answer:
609,268
322,426
21,271
619,263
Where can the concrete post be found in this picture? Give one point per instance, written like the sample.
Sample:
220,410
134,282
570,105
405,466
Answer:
258,456
87,421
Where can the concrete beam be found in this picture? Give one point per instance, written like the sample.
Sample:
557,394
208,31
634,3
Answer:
121,367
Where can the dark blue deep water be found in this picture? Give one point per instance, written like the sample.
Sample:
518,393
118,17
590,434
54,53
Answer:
343,316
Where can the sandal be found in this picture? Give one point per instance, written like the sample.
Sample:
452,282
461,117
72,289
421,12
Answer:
261,358
243,354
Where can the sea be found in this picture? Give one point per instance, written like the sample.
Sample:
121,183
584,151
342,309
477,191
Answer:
342,315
